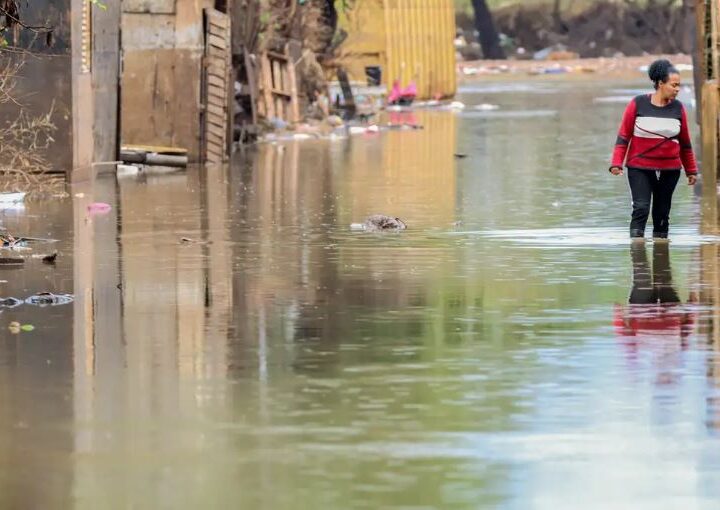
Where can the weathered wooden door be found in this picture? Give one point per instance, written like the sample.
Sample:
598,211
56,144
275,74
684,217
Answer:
217,87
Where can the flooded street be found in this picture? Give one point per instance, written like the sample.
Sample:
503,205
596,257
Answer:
487,357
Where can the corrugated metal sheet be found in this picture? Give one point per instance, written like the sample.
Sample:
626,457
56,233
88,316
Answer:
409,39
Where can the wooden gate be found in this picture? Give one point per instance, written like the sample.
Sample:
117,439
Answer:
217,90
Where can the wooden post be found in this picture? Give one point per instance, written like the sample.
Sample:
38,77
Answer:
267,82
292,86
95,77
106,80
82,90
699,70
714,12
709,131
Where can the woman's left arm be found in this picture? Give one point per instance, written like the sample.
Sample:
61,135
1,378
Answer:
686,151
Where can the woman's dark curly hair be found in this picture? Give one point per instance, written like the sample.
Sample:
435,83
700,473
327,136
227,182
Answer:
660,71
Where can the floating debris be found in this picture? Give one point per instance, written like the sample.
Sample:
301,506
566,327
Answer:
188,240
379,223
11,198
460,155
486,107
99,208
47,259
10,302
49,299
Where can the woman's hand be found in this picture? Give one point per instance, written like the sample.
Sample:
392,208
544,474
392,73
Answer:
616,170
692,179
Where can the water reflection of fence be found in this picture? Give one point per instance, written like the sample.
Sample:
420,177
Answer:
410,174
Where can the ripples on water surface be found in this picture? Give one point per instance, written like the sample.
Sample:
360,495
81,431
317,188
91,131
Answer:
287,362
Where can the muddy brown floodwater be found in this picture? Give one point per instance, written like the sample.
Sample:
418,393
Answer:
285,361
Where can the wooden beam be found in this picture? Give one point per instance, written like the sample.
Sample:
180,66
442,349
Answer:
106,80
710,106
82,90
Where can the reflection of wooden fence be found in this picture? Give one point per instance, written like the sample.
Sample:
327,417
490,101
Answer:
217,87
278,87
707,73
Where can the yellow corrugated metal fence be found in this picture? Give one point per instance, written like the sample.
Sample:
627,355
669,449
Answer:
408,39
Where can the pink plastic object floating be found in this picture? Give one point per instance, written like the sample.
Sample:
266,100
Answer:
410,91
99,208
395,93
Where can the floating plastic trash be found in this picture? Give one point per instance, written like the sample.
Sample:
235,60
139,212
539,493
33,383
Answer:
99,208
49,299
485,107
11,198
10,302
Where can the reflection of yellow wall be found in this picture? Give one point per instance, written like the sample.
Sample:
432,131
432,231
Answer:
411,174
409,39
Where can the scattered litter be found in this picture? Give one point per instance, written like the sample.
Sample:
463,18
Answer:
460,155
99,208
457,105
49,299
188,240
47,259
127,169
154,155
485,107
379,223
11,198
79,195
357,130
302,136
10,302
373,129
15,327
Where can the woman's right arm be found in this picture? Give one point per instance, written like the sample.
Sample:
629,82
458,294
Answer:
625,134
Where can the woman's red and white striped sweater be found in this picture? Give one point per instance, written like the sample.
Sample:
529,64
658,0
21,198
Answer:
654,137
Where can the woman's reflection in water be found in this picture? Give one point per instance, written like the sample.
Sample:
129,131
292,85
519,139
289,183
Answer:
655,319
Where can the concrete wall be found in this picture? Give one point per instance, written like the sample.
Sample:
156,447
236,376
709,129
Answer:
162,47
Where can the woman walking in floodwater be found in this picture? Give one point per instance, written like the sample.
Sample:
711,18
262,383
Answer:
654,144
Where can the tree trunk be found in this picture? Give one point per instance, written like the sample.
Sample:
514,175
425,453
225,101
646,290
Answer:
485,25
560,26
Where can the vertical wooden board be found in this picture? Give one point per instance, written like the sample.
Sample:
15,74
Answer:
251,68
266,82
709,132
292,82
149,6
217,87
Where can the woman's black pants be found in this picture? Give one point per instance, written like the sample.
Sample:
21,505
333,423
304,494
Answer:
647,186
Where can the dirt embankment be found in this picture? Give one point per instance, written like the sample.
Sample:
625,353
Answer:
603,30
